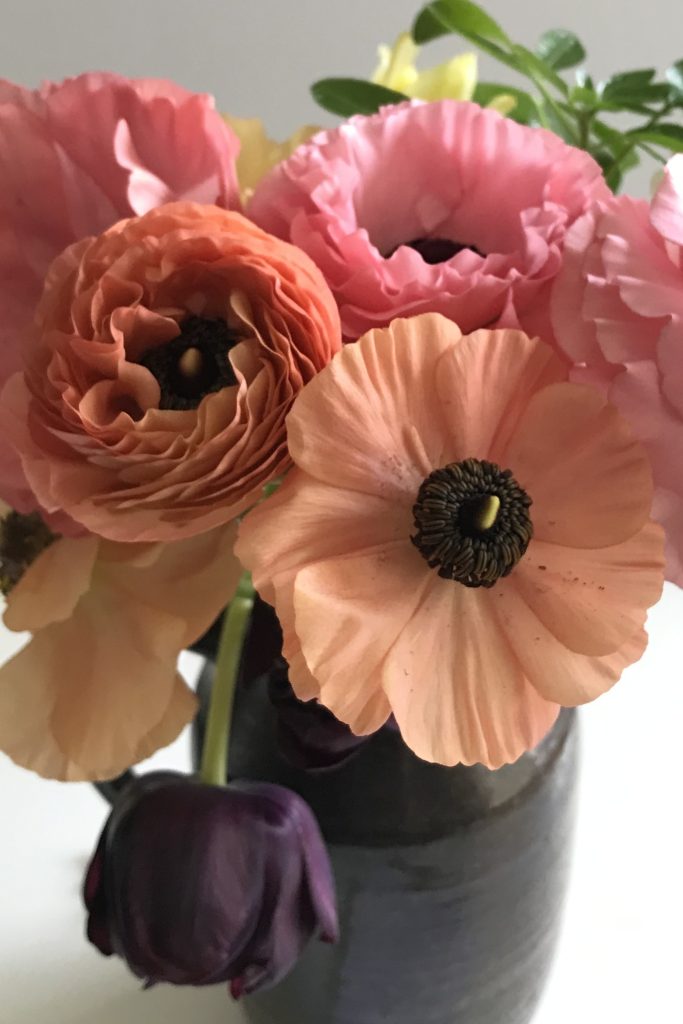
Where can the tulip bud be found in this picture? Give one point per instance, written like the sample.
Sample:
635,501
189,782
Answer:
193,884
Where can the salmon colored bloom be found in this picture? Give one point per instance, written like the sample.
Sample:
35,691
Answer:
166,355
618,313
259,153
97,689
464,543
77,156
433,207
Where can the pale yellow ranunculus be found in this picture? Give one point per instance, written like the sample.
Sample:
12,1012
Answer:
258,153
456,79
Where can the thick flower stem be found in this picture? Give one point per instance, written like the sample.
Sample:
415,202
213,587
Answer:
215,752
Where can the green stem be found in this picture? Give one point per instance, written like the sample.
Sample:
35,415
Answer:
235,623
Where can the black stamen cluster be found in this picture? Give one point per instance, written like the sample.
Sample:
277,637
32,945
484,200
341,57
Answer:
213,339
448,517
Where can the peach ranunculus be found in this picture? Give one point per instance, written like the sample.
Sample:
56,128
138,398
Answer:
464,541
433,207
166,355
96,689
618,314
77,156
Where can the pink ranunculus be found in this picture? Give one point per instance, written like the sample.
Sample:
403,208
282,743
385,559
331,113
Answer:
76,157
436,207
617,310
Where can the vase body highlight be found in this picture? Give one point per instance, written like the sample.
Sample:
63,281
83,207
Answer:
450,881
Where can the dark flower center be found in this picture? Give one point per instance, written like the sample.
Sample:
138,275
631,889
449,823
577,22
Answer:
195,364
22,539
472,522
437,250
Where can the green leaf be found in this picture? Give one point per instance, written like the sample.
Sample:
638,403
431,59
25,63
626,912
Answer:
534,68
347,96
669,136
560,49
582,97
443,17
627,86
674,75
525,111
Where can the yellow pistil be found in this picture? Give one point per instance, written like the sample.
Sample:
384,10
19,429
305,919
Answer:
191,362
487,513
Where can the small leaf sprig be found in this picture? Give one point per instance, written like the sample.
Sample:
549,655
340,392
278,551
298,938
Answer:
584,113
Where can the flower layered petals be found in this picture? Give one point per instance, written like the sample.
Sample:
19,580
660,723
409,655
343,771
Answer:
589,480
368,392
457,691
86,416
358,197
348,613
594,600
95,692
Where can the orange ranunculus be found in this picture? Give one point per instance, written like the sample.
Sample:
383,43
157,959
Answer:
166,355
97,689
465,542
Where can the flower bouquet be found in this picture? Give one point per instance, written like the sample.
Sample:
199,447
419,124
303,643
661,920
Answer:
386,422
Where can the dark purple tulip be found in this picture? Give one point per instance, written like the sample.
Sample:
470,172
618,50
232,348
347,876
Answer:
309,735
193,884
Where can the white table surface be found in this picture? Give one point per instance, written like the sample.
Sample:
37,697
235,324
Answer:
620,955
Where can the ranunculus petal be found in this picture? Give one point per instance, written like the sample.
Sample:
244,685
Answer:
94,692
500,371
556,672
593,601
53,585
368,391
589,481
456,690
348,613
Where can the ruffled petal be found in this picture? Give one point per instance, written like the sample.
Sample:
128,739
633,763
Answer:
589,481
457,691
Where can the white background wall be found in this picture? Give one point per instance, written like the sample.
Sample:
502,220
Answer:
620,954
